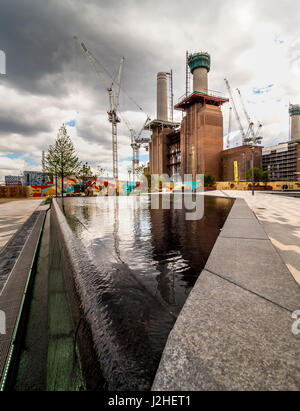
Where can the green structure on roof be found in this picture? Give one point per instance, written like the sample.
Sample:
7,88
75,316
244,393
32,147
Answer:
199,60
294,109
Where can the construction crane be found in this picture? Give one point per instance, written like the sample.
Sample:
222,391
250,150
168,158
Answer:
235,111
113,103
244,109
258,130
254,134
136,142
114,119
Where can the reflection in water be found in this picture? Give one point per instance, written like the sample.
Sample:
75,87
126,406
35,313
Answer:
148,261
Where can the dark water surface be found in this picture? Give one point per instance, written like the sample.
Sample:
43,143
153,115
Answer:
147,263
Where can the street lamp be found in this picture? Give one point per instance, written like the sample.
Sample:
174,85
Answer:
253,142
252,150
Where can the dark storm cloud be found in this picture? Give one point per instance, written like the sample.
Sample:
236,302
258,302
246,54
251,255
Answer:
42,57
10,123
95,129
33,36
44,60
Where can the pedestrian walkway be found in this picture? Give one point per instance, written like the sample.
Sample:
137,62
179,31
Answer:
12,216
280,217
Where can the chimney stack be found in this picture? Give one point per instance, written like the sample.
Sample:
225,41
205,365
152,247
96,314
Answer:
295,126
162,98
200,65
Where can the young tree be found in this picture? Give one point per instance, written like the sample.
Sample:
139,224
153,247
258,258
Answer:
257,174
84,173
209,180
61,159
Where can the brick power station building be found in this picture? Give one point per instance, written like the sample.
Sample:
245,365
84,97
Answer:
196,145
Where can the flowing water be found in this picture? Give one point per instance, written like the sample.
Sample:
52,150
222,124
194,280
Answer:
147,263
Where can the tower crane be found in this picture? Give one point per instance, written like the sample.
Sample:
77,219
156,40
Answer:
235,110
244,109
136,142
258,130
113,103
250,123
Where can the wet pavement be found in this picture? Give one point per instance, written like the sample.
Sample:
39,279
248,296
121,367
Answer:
280,218
12,215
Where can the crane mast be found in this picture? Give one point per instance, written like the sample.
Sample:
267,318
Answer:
114,119
136,143
235,110
258,130
243,105
250,123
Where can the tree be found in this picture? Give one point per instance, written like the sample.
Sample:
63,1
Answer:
209,180
84,172
140,170
257,174
100,171
61,159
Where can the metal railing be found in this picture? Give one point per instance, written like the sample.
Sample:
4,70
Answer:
210,93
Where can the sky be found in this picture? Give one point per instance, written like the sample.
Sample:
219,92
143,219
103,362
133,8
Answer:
46,80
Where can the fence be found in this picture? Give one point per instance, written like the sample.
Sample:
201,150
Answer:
14,191
277,185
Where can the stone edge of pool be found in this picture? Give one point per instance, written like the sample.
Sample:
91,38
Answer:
235,329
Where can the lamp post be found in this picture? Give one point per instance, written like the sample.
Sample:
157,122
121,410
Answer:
253,142
252,149
55,181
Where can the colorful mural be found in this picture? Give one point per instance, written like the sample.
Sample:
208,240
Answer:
95,186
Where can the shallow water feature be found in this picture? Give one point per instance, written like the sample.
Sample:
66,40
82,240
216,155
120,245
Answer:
147,263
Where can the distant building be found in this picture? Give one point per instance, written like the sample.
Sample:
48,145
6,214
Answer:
282,161
241,157
194,146
34,178
13,180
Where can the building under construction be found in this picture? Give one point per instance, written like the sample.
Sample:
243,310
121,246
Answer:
283,160
196,145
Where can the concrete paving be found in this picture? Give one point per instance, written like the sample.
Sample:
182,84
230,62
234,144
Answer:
235,329
12,215
280,218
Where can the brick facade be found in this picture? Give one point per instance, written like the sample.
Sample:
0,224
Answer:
201,140
243,156
159,150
